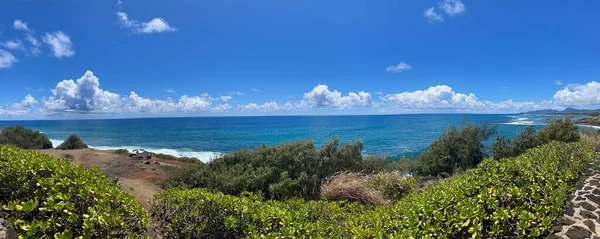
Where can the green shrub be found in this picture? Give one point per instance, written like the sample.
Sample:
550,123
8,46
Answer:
24,138
122,151
181,159
46,197
457,149
518,197
72,142
562,129
277,172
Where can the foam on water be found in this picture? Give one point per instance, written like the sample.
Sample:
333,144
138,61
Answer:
520,121
204,156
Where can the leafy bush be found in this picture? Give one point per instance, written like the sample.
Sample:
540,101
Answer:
72,142
393,185
518,197
277,172
122,151
562,129
46,197
24,138
181,159
351,187
456,149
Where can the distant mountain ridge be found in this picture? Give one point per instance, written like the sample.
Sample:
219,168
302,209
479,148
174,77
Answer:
565,111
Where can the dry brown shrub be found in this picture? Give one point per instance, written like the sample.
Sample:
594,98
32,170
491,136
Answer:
593,139
351,187
394,185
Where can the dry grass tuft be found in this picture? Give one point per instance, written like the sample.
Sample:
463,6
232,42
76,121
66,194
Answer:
394,185
351,187
593,139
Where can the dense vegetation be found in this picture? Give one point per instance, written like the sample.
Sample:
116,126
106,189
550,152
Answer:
72,142
506,198
562,129
276,172
24,138
181,159
46,197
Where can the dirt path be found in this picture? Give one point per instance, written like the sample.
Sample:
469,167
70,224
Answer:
135,177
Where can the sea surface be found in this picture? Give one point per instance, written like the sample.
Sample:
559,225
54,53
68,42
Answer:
208,137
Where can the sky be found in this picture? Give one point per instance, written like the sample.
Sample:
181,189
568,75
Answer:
148,58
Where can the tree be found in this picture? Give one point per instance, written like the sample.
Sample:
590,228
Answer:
72,142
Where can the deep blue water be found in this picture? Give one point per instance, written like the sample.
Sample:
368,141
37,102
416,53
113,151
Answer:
204,137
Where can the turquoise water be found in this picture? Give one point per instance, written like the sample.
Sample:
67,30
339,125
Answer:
207,137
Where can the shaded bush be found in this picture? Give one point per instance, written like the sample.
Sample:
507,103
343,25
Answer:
276,172
72,142
122,151
457,149
24,138
181,159
562,129
518,197
46,197
351,187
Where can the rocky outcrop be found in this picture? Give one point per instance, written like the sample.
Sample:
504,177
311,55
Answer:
6,229
580,216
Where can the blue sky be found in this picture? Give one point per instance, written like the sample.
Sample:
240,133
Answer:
196,58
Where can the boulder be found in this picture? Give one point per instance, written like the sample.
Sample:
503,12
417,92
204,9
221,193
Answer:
6,229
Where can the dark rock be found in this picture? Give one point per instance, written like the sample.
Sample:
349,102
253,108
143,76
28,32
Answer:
576,232
556,229
595,183
596,192
587,206
444,175
7,231
594,198
590,225
566,221
579,198
587,214
552,236
588,188
570,211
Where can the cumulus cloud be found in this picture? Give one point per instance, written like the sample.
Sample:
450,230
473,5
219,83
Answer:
13,45
60,44
322,97
453,7
432,16
226,98
84,95
441,96
21,108
156,25
6,59
21,25
398,68
266,107
588,94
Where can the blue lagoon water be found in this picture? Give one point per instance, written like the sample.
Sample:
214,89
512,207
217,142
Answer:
206,137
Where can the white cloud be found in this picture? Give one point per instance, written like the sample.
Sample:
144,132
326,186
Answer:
60,44
588,94
6,59
321,97
21,108
226,98
432,16
237,92
557,82
379,93
266,107
453,7
398,68
441,96
85,96
156,25
13,45
119,3
221,108
36,45
21,25
256,90
170,91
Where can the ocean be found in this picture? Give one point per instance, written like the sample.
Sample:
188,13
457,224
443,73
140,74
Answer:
207,137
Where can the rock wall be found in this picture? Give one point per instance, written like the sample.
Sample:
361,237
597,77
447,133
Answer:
6,229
